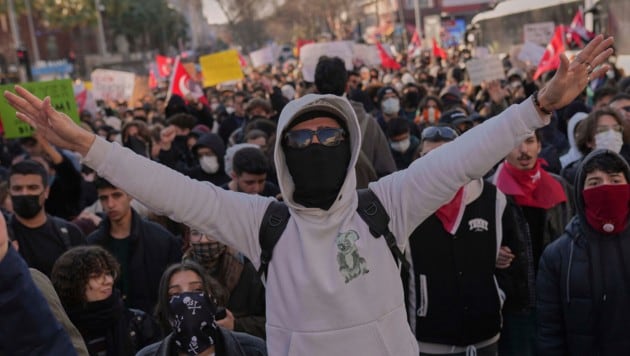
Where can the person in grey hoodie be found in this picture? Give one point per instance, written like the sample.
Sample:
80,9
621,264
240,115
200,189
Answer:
332,289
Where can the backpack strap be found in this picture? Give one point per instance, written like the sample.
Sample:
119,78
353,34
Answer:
373,213
273,224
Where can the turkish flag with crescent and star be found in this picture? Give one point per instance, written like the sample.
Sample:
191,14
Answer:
183,85
551,58
164,64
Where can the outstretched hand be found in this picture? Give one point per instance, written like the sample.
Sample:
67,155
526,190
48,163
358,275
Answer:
572,77
54,126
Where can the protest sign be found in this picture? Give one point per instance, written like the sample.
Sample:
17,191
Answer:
310,53
220,67
531,53
262,56
486,69
112,84
538,33
61,95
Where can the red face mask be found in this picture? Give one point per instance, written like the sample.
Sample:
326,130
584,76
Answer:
606,207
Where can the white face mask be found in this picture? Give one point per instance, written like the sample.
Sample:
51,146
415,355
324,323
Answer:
209,164
229,109
401,146
610,140
391,106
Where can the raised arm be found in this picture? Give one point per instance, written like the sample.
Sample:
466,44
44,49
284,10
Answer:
411,195
232,218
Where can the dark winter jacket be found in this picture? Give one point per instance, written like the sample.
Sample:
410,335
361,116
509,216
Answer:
583,289
518,281
152,249
27,326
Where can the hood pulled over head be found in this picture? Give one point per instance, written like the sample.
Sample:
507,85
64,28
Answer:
319,176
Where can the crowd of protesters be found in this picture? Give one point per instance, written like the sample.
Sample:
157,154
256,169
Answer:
528,258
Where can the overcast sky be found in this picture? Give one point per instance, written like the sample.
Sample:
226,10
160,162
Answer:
213,12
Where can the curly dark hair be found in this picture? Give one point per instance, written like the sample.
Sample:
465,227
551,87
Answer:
73,269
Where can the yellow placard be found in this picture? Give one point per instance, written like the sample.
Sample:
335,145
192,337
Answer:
220,67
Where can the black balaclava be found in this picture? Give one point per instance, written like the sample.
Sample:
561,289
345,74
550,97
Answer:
318,171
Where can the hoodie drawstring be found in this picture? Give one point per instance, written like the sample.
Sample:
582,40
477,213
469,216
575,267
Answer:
471,350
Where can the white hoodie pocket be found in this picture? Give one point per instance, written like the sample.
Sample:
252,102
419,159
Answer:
423,307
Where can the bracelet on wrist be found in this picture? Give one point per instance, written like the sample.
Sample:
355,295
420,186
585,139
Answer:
537,104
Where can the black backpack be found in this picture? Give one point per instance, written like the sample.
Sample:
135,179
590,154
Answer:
370,209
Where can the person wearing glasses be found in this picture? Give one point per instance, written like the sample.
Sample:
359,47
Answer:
236,285
142,248
332,288
84,280
601,129
454,302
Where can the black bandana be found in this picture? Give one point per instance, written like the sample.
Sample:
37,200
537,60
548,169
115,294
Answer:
193,322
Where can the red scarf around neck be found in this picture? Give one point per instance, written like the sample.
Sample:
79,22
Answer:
450,213
532,187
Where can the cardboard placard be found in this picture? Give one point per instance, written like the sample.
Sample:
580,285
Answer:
486,69
62,99
220,67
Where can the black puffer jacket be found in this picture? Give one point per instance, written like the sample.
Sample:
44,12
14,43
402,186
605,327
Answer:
583,289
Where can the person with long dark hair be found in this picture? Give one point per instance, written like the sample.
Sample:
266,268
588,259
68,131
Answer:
187,310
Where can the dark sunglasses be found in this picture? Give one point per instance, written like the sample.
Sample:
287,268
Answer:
327,136
433,133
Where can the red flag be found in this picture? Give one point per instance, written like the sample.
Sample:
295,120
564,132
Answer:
164,64
386,60
415,44
551,58
438,51
242,60
299,44
577,33
152,80
182,84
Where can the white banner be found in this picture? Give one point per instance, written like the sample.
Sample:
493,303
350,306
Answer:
489,68
112,84
310,53
262,56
